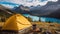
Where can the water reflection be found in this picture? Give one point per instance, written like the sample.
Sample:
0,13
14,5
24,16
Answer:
43,19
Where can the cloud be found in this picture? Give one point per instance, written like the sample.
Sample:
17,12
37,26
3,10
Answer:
53,0
30,2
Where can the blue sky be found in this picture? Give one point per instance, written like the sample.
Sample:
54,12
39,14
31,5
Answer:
8,4
26,2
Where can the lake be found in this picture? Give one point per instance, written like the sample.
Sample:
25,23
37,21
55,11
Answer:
43,19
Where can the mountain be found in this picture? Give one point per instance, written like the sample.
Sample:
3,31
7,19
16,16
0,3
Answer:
51,9
21,9
6,12
56,14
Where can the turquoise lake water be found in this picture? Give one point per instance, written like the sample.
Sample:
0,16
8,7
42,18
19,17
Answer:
43,19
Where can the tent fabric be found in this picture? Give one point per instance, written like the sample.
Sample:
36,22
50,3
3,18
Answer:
16,22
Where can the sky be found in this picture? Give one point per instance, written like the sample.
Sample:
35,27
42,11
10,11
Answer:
29,2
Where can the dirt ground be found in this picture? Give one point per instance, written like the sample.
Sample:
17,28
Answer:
41,28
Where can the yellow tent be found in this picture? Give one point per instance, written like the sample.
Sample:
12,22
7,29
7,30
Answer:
16,22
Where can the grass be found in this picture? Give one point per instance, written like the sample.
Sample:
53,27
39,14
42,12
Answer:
45,26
